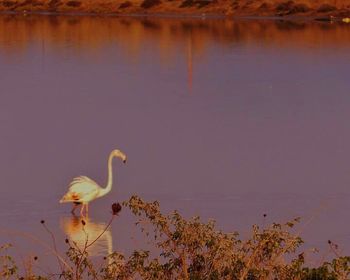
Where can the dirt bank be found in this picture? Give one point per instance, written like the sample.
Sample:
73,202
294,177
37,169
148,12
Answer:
298,8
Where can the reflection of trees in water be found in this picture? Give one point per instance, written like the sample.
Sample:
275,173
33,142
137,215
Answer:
90,34
290,25
170,39
76,232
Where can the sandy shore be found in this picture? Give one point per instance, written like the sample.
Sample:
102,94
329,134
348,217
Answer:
318,9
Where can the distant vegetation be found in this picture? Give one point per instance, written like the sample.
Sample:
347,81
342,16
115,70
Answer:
281,8
188,249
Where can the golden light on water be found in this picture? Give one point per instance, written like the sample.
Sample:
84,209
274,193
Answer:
90,34
83,235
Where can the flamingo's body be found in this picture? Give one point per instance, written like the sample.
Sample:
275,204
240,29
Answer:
82,189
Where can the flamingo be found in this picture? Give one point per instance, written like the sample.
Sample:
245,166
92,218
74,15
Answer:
83,190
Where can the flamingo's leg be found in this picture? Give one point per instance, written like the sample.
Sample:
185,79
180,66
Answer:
82,210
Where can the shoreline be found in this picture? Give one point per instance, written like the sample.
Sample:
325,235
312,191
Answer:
208,9
320,18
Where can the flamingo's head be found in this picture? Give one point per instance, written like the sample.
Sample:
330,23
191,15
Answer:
119,154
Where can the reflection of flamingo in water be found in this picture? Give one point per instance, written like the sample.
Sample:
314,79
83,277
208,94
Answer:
82,189
83,235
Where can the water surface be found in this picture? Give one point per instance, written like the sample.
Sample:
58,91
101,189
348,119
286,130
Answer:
223,119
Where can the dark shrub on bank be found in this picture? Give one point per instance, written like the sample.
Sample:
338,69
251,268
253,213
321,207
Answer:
284,6
187,3
198,3
37,3
325,8
290,7
146,4
8,3
125,5
301,8
53,4
203,3
264,6
73,4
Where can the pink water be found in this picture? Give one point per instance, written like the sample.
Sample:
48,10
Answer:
222,119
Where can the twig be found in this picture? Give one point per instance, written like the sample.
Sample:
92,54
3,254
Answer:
108,225
54,244
26,235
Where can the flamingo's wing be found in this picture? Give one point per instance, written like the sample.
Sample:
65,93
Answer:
81,189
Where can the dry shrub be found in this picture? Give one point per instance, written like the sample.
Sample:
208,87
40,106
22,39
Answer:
9,3
198,3
203,3
264,6
53,4
25,3
146,4
300,8
195,250
187,3
284,6
188,249
325,8
235,4
290,7
37,3
125,5
73,3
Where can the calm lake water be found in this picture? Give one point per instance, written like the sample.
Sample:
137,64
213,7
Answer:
219,118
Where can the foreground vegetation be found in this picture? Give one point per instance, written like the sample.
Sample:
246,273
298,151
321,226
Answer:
305,8
188,249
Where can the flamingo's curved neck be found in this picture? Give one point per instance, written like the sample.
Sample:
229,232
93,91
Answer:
108,188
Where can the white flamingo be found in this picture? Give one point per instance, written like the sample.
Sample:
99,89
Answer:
82,189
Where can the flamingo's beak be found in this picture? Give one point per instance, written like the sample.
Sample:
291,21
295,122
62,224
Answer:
124,161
